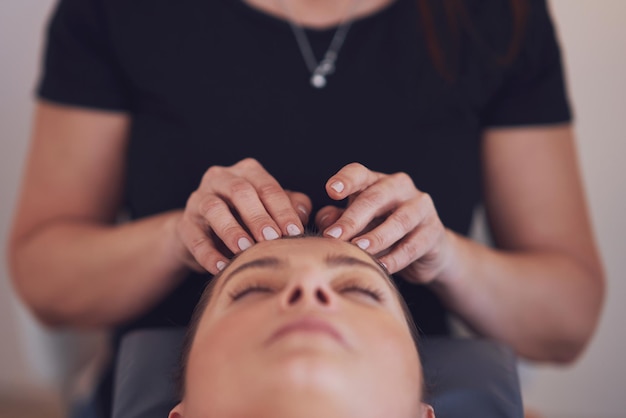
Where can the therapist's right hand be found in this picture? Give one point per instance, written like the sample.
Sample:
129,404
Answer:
233,208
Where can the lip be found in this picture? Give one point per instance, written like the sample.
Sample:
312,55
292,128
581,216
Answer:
312,325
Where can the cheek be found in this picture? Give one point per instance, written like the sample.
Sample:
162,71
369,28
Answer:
391,351
385,333
221,347
389,369
234,333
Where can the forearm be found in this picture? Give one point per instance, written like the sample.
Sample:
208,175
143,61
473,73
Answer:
83,274
544,304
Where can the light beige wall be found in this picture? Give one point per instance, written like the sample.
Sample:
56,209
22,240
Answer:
20,32
593,36
32,359
594,42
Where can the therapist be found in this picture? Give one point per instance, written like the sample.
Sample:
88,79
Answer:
211,125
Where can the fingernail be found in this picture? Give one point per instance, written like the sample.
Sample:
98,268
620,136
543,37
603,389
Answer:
335,232
244,244
363,244
303,210
269,233
221,265
293,230
337,186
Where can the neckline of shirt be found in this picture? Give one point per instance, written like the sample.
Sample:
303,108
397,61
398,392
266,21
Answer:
261,14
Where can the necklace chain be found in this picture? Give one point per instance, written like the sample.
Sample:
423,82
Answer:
320,70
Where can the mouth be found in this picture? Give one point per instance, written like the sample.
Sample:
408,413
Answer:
307,325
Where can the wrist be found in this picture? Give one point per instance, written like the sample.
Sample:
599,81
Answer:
174,251
453,263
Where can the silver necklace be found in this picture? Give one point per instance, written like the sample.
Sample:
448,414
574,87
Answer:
320,70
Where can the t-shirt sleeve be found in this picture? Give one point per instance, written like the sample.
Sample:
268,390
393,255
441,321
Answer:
534,91
79,64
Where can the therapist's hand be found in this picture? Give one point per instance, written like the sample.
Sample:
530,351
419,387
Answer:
390,218
233,208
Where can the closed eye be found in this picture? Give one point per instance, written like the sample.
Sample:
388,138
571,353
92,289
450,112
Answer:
374,294
240,293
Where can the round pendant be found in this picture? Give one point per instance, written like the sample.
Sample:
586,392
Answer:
318,81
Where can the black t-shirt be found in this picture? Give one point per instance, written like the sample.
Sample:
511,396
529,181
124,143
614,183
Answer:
210,82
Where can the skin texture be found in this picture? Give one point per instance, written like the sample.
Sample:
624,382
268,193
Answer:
318,14
241,364
545,255
263,206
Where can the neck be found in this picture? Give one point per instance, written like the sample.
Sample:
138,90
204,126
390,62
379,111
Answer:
319,14
319,396
307,407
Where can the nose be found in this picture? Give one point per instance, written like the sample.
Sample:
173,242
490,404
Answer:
303,294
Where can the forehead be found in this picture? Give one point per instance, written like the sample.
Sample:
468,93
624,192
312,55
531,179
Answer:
302,251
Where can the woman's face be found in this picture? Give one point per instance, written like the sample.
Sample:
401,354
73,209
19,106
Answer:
298,328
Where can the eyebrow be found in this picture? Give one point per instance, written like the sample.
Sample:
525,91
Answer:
331,260
339,260
263,262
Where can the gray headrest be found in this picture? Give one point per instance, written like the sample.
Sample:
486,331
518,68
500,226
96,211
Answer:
465,378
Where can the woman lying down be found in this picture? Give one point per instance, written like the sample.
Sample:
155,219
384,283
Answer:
301,327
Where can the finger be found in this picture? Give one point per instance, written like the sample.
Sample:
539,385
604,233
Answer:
302,203
214,214
417,247
279,204
201,247
351,179
327,216
396,225
378,200
274,199
242,195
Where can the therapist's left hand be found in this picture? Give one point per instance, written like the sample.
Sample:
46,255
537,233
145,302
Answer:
387,216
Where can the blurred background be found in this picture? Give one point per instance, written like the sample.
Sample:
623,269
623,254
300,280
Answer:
41,369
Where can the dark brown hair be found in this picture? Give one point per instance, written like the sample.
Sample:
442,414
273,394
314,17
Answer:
458,21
